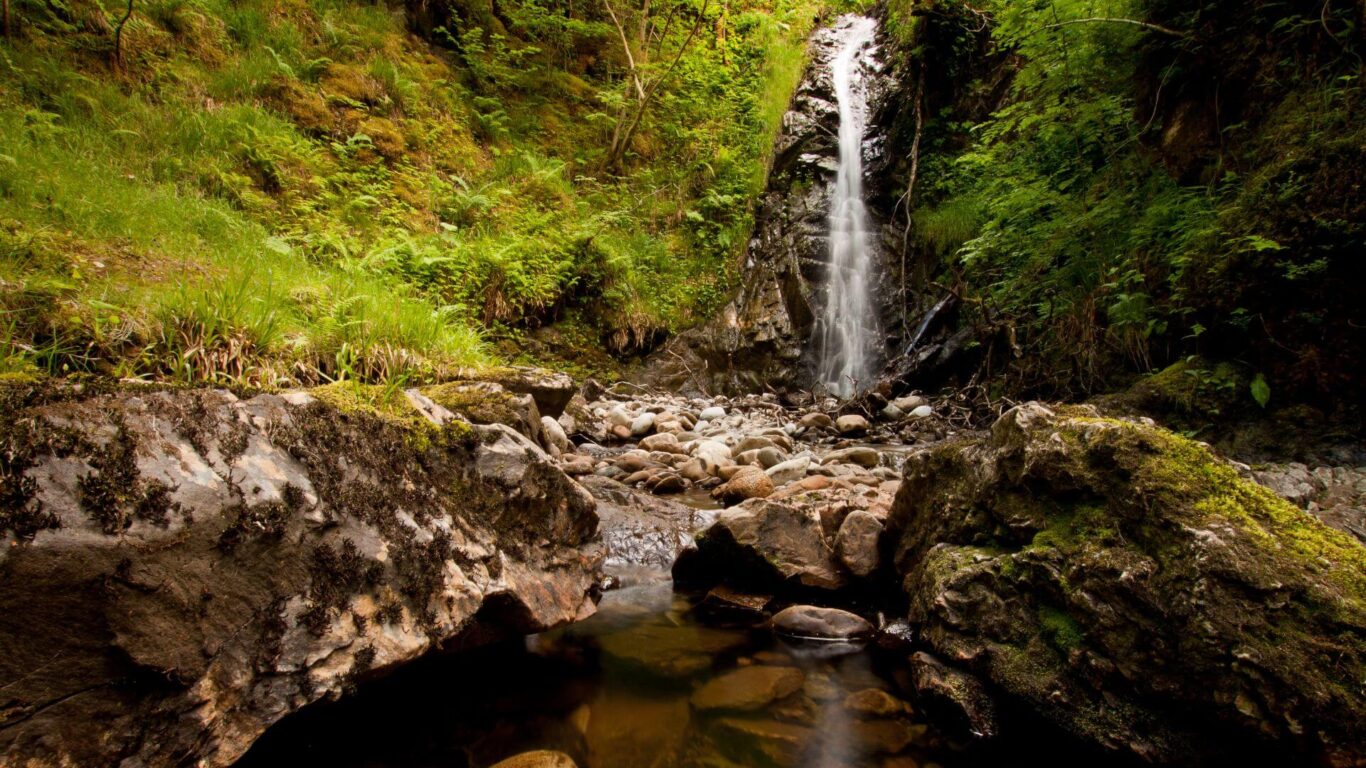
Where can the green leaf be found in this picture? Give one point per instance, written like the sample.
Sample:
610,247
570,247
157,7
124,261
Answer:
1261,392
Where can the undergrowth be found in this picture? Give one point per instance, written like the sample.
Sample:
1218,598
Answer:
297,192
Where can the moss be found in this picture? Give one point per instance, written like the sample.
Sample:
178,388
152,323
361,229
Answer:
1060,628
480,402
335,575
108,493
1181,474
269,520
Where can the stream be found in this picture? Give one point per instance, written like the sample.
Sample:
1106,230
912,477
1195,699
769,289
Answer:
652,680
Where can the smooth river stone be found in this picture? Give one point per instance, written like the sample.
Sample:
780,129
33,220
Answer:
748,688
814,622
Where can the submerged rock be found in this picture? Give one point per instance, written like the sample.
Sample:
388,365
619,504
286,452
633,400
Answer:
183,568
1131,587
748,688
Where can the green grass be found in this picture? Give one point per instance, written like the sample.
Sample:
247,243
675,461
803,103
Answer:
298,192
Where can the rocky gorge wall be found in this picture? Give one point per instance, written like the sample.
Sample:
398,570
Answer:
761,339
183,568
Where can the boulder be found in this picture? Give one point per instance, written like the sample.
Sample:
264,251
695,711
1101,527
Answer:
1131,587
551,390
484,402
183,568
856,544
638,528
761,545
816,623
747,483
851,425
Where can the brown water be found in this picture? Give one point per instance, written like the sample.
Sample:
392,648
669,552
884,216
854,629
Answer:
621,690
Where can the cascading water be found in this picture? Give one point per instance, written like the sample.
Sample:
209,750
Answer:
848,325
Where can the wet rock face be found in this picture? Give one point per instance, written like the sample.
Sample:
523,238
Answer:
1131,587
759,340
181,569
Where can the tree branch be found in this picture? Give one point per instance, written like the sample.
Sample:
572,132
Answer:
626,46
1105,20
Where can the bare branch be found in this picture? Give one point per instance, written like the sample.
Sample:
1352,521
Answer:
626,46
1107,20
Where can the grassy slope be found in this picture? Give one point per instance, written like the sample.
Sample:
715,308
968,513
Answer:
294,191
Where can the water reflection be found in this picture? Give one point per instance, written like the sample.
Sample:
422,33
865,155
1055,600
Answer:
646,683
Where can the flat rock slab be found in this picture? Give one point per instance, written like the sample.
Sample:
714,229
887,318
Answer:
816,623
748,688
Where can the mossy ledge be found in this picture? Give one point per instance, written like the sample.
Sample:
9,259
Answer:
202,564
1130,585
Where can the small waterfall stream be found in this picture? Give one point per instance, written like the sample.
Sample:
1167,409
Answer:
848,325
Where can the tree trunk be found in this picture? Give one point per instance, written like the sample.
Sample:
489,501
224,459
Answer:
118,35
909,198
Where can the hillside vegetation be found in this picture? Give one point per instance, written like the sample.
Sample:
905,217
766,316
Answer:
292,191
1113,187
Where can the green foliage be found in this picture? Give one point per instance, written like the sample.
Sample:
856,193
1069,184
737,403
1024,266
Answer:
1114,212
304,191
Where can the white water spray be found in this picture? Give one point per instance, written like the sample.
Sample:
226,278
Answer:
848,326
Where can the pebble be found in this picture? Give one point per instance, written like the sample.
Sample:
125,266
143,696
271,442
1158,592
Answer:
642,424
712,414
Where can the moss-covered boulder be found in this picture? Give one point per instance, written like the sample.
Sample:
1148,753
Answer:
485,402
1131,587
179,569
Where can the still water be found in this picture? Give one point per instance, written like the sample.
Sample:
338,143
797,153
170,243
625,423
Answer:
652,681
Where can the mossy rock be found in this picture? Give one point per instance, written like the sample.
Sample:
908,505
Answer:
1131,586
484,402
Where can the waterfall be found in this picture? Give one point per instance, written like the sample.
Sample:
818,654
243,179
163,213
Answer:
848,326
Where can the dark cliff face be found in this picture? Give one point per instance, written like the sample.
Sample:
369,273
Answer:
761,339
